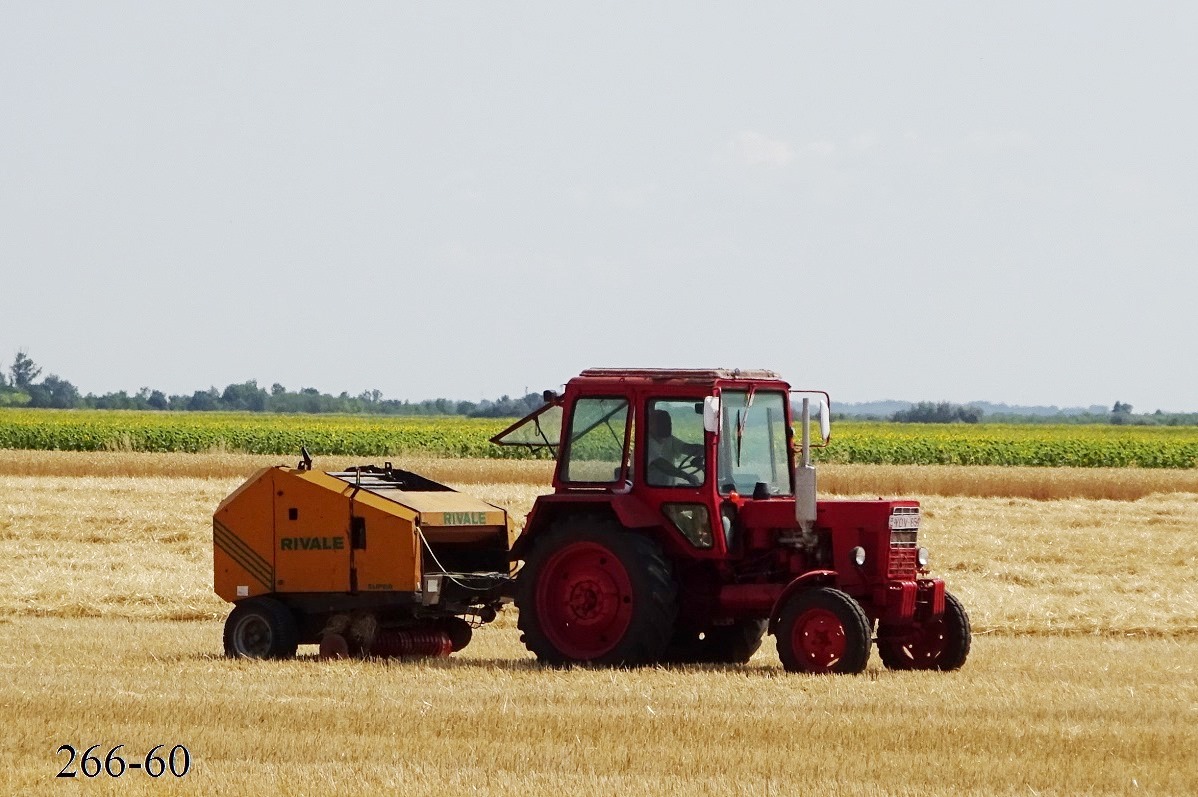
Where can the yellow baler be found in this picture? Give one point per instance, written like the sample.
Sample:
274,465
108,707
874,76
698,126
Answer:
369,560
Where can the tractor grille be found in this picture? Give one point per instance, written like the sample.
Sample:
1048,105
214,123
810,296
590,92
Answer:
904,530
902,563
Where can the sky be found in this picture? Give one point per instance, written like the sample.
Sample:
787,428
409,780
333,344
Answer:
922,201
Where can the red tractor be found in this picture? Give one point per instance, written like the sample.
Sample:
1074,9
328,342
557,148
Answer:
681,529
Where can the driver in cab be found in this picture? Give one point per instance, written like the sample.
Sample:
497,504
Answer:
672,462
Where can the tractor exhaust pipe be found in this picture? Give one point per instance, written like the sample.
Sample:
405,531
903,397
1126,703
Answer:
805,494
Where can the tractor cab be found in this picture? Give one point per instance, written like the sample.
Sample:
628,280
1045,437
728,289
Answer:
685,447
682,528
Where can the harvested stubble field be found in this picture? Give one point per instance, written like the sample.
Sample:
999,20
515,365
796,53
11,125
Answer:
1082,681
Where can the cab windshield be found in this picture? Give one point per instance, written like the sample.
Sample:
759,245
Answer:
753,442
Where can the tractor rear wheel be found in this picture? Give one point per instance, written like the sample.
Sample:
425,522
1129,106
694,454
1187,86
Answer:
721,644
823,630
592,592
261,628
941,644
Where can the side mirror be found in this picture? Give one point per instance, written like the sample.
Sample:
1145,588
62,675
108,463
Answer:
820,411
711,414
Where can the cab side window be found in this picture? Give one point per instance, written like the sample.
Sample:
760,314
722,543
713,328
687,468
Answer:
674,452
594,447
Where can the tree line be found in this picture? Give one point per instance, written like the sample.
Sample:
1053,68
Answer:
21,387
1120,414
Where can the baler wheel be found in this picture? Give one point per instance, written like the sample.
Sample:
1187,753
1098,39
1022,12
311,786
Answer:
460,632
823,630
261,628
334,646
591,592
941,644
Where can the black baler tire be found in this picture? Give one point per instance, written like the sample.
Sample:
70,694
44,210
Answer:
284,631
656,592
460,632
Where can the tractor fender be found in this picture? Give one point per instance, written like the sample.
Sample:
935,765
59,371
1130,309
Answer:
812,578
629,511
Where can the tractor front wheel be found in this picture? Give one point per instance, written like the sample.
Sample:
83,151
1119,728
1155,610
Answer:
941,644
823,630
592,592
261,628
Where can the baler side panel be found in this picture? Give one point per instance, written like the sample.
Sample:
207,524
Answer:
311,540
243,540
390,560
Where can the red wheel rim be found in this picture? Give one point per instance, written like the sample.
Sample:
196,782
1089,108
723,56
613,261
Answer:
818,640
926,645
584,600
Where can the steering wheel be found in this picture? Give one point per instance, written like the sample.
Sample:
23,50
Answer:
690,467
668,469
691,463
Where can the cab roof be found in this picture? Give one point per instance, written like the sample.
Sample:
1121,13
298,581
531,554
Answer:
696,376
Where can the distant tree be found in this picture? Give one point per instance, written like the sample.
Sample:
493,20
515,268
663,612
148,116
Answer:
55,393
24,371
277,390
112,401
13,398
944,412
507,407
1121,413
970,414
10,395
204,400
158,400
246,396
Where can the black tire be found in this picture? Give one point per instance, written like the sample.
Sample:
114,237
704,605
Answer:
592,592
460,632
823,630
721,644
939,645
261,628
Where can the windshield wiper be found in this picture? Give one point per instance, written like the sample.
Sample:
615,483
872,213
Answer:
741,420
537,423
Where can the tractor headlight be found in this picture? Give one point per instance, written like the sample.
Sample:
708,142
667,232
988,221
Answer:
921,556
858,556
